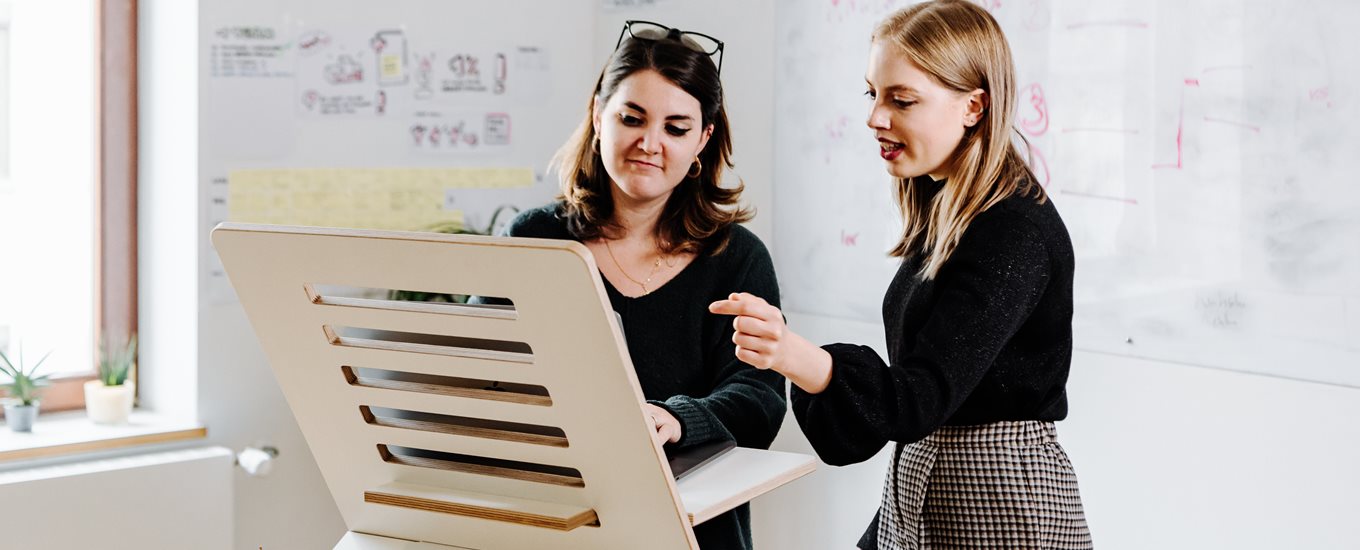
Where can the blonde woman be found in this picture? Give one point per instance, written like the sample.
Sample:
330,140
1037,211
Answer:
978,317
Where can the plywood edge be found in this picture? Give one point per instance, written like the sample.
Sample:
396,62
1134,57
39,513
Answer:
421,236
745,464
532,513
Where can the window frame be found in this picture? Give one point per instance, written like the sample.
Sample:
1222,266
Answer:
115,243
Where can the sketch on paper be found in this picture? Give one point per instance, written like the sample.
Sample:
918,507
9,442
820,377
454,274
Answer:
452,132
248,51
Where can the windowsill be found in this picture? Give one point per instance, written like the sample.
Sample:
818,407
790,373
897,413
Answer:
70,433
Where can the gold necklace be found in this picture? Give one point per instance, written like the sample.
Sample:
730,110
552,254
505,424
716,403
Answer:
656,264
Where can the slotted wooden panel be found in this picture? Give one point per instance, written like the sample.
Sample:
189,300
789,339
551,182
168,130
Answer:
577,354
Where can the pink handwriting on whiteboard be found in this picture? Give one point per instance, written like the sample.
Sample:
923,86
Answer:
848,239
1039,165
1036,15
835,130
1036,124
1180,132
1131,23
840,9
835,135
1252,128
1180,122
1321,95
1125,200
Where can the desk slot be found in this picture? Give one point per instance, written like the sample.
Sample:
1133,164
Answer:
451,386
429,344
421,301
508,469
464,426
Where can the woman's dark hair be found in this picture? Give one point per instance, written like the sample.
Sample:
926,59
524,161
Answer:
700,212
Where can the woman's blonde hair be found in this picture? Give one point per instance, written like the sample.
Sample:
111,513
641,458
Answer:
963,49
700,212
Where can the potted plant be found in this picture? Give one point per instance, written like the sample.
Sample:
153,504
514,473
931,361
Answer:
108,400
21,409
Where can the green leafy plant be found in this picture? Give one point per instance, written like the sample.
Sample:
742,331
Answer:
115,363
23,385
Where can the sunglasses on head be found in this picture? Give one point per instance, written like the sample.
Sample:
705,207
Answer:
647,30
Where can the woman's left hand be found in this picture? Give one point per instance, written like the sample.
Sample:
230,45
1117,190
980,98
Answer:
668,428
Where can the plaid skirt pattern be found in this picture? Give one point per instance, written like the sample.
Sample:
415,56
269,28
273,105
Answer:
998,485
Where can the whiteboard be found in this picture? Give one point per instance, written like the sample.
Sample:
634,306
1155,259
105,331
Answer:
1201,153
371,114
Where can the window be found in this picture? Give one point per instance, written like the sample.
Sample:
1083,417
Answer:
68,197
4,114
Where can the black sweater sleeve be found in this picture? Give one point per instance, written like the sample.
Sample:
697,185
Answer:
985,291
746,405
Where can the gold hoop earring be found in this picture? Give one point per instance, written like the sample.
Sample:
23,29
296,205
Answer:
696,168
595,144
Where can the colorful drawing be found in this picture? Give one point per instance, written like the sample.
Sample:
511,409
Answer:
390,47
345,70
502,70
313,41
497,129
424,66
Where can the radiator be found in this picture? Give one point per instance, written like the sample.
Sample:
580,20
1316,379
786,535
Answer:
157,501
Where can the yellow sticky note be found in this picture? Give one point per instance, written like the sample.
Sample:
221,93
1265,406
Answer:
370,198
391,66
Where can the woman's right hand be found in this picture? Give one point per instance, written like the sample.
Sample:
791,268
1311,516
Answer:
764,341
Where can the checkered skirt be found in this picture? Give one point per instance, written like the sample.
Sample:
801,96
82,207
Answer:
998,485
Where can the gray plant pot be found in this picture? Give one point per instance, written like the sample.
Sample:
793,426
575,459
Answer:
20,417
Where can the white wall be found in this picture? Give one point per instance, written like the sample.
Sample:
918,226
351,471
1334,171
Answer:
1172,456
168,206
165,500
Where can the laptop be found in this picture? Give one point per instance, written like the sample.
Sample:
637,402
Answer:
689,459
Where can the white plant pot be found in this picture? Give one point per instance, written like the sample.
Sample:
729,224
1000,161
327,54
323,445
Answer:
20,417
109,404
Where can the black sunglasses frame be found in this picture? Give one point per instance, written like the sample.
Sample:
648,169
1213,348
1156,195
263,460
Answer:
671,34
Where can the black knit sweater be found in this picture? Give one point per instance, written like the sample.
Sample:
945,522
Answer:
988,339
684,356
